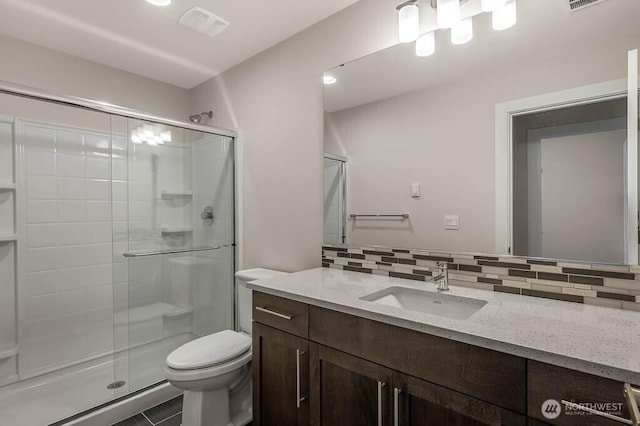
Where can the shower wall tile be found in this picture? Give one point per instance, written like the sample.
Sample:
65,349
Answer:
71,165
71,211
98,190
72,188
98,168
41,163
98,211
40,211
42,259
41,187
42,235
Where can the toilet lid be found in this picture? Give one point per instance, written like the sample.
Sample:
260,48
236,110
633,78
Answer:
209,350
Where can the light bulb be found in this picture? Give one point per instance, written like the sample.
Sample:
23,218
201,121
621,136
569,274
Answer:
135,138
148,131
166,136
159,2
491,5
426,44
448,13
408,23
505,16
462,32
328,79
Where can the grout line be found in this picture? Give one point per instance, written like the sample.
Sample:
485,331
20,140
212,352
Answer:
148,419
170,417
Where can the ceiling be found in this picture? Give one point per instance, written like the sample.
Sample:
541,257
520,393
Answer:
138,37
545,29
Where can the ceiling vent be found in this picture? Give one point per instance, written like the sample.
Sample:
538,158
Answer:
203,21
574,5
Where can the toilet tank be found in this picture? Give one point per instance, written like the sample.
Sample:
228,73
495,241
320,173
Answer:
243,294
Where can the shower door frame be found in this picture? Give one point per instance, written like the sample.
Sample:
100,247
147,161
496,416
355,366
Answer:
115,110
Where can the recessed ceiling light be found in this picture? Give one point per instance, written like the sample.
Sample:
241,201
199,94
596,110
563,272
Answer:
159,2
329,79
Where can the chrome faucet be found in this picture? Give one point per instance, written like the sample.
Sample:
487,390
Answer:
442,279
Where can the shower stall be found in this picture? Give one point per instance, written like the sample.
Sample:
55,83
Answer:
117,245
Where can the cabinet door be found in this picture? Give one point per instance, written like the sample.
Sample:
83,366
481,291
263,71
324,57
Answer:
348,391
280,378
418,403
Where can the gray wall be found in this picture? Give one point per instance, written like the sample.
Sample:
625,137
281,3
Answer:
275,100
30,65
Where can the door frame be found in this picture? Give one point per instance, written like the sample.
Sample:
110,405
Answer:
344,160
504,114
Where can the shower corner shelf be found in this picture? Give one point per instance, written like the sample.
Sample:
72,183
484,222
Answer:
7,186
8,351
175,194
8,238
172,311
179,230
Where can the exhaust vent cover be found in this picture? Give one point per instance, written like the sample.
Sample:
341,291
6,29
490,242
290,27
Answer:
574,5
203,21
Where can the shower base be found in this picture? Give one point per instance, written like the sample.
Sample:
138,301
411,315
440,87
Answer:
46,399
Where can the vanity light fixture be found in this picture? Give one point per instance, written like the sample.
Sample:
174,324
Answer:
426,44
159,2
449,16
504,16
462,32
408,21
328,79
491,5
148,134
448,13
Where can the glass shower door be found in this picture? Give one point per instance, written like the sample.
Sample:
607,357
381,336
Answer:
179,257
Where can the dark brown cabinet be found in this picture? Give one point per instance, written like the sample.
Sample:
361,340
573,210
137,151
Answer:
348,391
420,403
280,378
315,366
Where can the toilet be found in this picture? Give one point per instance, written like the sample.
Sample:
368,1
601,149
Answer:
215,370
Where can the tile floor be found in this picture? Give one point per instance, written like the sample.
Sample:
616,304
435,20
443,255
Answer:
168,413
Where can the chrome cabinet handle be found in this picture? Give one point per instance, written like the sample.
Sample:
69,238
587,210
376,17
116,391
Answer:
632,395
380,386
274,313
299,399
396,406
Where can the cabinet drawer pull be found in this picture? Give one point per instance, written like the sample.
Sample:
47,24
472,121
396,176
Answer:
632,395
380,386
299,399
396,406
274,313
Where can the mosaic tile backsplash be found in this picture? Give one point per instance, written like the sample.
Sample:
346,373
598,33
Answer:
615,286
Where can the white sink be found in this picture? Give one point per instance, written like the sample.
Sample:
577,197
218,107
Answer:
442,304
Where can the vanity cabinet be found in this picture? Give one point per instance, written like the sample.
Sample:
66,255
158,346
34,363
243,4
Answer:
280,377
315,366
347,390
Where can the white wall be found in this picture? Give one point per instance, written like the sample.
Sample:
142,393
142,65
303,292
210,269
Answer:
443,138
582,195
30,65
275,100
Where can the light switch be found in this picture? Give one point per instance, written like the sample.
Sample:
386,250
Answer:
451,221
415,190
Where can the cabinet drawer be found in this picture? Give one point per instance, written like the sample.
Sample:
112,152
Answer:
488,375
550,382
283,314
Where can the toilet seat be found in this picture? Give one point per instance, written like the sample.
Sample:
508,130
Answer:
209,351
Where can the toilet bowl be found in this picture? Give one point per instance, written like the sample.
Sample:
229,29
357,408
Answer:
215,370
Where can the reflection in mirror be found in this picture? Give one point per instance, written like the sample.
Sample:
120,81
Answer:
430,125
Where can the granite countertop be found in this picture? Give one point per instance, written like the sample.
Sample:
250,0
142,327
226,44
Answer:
596,340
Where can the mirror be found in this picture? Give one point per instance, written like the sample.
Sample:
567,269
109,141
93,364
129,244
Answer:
446,152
